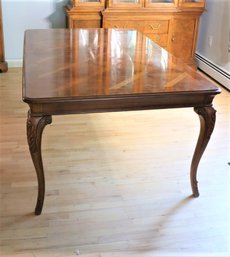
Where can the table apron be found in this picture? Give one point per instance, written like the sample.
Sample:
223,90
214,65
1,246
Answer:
60,107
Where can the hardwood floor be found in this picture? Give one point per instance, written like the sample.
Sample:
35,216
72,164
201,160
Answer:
117,184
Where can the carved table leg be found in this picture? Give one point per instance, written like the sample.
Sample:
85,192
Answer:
207,117
35,126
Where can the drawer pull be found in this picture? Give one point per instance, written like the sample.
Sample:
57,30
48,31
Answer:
173,39
154,27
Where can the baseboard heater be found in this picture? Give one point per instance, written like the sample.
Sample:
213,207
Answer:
213,70
14,63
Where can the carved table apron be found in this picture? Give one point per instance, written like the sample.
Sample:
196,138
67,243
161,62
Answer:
105,70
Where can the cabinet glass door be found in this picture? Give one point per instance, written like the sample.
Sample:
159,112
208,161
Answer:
126,3
89,1
192,3
161,3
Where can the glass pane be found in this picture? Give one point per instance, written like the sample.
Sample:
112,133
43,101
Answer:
125,1
89,1
192,1
162,1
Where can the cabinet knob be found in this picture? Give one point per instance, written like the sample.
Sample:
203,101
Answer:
173,39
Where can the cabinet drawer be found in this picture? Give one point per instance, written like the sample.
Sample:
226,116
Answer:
138,25
160,39
83,20
86,24
156,26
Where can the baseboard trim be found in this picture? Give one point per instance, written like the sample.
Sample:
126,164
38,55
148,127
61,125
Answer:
14,63
213,70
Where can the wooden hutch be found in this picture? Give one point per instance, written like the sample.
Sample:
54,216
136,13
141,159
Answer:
173,24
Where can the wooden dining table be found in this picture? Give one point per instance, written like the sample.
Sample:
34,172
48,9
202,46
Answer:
77,71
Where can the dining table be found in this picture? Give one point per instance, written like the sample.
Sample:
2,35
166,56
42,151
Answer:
80,71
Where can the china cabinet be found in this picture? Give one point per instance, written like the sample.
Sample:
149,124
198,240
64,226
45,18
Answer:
173,24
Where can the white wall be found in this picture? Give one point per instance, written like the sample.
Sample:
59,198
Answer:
20,15
214,39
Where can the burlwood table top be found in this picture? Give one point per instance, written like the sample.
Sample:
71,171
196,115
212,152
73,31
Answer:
63,65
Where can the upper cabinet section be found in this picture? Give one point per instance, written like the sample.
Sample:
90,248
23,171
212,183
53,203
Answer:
126,3
137,3
153,3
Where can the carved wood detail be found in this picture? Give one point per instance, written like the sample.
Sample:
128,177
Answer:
207,117
35,126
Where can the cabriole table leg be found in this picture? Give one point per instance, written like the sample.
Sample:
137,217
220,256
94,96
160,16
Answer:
207,117
35,126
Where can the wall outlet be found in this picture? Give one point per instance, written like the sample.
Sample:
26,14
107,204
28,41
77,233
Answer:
210,39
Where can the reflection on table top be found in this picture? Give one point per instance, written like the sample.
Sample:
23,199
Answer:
64,63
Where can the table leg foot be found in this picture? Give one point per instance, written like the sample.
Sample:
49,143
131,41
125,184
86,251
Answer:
35,126
207,117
